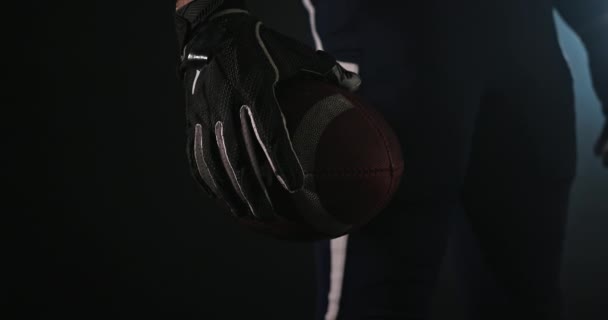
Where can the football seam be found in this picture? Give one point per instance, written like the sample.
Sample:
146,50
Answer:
372,123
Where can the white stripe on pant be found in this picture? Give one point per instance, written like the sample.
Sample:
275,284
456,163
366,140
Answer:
337,246
336,275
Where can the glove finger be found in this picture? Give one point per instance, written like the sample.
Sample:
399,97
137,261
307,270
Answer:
239,170
269,127
262,170
208,171
195,170
198,155
196,138
199,133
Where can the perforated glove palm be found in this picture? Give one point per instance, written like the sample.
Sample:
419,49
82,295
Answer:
238,141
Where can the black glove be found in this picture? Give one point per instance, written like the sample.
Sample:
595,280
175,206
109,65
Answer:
237,135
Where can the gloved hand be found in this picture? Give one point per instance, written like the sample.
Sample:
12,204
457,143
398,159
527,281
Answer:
237,136
601,147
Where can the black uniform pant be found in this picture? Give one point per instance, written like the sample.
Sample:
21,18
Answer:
486,124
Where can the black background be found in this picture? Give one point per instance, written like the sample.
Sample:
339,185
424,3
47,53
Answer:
110,222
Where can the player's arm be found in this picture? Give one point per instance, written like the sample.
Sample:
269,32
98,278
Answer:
589,19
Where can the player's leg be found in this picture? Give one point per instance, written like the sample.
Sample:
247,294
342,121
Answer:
388,269
518,185
419,70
